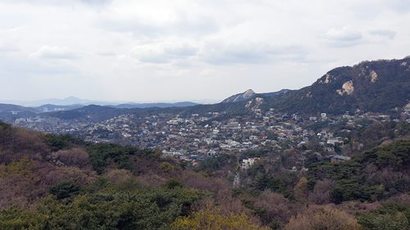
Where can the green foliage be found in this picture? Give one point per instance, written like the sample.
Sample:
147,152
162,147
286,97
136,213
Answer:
354,181
65,190
4,125
167,167
58,142
19,219
392,216
216,162
211,219
396,156
173,184
101,155
107,208
280,182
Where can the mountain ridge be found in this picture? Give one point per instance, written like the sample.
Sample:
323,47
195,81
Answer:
370,86
240,96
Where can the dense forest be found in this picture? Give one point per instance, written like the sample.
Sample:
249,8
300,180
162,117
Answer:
59,182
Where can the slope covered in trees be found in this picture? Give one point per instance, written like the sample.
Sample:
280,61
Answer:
371,86
373,175
57,182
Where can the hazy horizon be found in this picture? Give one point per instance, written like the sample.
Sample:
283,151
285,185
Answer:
163,51
86,101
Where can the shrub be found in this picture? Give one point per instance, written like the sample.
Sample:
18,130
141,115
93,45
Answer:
209,219
102,154
58,142
272,208
167,167
322,217
18,219
65,190
392,216
72,157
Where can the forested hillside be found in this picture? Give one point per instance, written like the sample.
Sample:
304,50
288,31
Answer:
57,182
371,86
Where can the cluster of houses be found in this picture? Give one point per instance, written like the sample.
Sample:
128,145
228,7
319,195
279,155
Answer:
194,137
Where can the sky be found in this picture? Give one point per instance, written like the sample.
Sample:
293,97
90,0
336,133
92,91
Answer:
188,50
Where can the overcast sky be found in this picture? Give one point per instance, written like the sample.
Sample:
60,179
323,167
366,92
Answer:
173,50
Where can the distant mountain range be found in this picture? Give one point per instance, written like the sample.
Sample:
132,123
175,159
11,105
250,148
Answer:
371,86
154,105
68,101
78,102
103,110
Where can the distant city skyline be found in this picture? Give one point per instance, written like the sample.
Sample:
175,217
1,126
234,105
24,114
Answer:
197,50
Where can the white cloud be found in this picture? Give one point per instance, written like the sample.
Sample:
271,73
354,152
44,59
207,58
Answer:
383,33
164,52
55,52
342,37
61,3
151,50
250,53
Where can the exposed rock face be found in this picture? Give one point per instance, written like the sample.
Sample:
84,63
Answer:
248,93
373,76
347,88
407,107
240,97
328,78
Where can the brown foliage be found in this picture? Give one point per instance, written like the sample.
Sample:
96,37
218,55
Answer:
151,180
403,199
220,189
301,190
356,207
322,217
273,206
72,157
16,143
25,181
321,192
119,176
211,217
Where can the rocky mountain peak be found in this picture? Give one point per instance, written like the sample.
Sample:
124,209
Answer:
240,97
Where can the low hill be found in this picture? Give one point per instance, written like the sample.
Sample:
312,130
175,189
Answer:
58,182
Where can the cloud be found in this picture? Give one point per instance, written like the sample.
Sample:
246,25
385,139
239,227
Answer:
343,37
401,6
250,53
61,3
8,48
96,2
18,67
164,52
55,52
217,53
144,27
160,46
387,34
